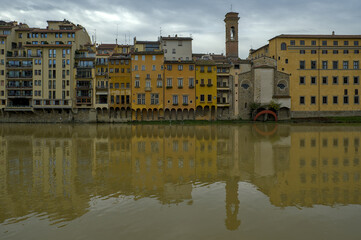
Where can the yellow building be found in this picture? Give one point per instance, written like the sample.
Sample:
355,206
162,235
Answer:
206,89
119,81
324,69
147,87
179,94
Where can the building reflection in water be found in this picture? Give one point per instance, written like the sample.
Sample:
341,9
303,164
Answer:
56,170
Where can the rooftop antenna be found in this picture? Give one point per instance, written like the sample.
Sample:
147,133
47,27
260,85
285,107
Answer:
128,38
231,8
160,31
125,39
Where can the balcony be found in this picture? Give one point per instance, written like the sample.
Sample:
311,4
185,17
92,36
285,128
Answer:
19,76
83,76
148,89
84,86
17,66
223,86
15,55
19,86
81,100
20,94
209,85
54,103
85,55
202,85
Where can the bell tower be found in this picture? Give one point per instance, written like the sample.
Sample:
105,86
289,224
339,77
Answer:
231,21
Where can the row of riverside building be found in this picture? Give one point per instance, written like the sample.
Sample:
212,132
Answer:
59,69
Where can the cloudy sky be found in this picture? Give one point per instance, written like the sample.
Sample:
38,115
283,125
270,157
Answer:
203,19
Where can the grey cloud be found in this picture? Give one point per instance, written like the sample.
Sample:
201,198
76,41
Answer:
260,19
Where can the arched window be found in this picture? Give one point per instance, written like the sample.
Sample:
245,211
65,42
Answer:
283,46
233,33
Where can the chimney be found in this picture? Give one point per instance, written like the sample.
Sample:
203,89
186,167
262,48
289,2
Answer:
333,32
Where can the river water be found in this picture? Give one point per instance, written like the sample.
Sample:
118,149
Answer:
247,181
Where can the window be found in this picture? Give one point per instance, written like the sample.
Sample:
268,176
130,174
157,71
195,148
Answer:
355,64
355,43
153,68
313,43
335,43
302,64
324,52
313,80
116,85
202,98
154,98
292,42
356,51
302,100
324,100
143,57
324,65
345,43
141,98
313,64
335,80
356,80
135,67
345,64
302,80
153,57
117,99
209,98
302,51
345,99
180,67
345,80
173,51
345,51
136,57
335,51
175,99
286,61
313,100
169,67
324,80
180,82
324,43
335,100
283,46
356,100
143,67
345,92
191,67
136,85
335,64
159,84
185,99
147,84
191,82
169,82
313,51
302,42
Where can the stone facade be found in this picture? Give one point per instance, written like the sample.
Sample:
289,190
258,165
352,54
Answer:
262,85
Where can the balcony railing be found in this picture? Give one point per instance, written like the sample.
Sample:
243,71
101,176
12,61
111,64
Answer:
19,66
20,76
148,89
85,55
83,76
